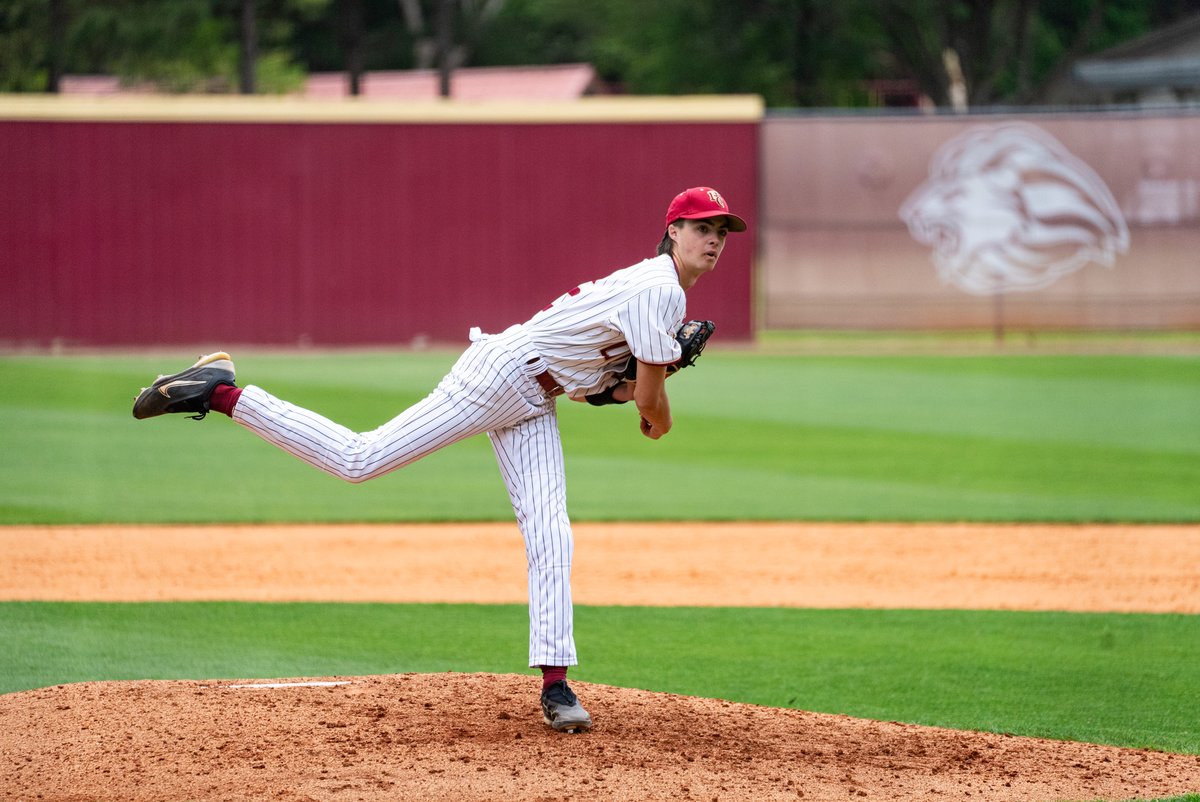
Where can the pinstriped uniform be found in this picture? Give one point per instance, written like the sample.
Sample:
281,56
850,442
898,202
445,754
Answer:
588,333
584,339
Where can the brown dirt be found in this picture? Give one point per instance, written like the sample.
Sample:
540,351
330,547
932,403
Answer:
478,736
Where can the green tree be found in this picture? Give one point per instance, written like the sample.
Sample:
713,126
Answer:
1004,51
792,52
178,45
814,53
175,45
782,49
323,41
24,45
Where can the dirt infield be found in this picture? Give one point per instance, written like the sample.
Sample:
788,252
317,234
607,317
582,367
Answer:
477,737
1045,567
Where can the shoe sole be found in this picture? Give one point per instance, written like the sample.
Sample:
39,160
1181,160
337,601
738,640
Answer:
140,403
568,726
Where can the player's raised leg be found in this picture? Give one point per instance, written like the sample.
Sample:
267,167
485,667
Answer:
474,397
188,390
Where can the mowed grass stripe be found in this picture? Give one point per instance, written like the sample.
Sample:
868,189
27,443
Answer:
981,438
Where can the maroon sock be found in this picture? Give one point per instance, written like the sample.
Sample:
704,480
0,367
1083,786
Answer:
223,399
552,674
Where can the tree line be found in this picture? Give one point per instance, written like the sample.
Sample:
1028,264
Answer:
795,53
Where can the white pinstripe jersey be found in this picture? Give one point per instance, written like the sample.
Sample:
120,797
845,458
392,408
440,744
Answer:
588,333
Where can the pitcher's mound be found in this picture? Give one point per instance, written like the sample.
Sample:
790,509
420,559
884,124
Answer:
480,737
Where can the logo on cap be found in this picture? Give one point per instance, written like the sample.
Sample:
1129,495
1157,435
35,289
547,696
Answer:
698,203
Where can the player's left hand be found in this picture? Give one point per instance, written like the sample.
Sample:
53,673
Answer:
692,336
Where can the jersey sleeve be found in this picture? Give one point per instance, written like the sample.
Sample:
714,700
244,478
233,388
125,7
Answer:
649,322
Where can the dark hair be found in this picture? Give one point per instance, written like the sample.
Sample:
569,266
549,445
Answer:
666,244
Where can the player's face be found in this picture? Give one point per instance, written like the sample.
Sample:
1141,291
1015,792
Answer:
698,243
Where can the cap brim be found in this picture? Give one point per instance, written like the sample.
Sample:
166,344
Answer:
735,223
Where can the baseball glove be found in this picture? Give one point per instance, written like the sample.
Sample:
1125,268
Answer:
692,337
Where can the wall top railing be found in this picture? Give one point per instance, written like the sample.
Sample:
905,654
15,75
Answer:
284,109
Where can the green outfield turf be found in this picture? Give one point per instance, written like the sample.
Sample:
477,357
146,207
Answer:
1128,680
758,436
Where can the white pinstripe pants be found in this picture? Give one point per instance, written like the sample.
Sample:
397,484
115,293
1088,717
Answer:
486,391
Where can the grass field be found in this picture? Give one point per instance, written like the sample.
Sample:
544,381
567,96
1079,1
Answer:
990,437
829,428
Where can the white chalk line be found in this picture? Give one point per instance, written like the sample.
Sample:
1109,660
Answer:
291,685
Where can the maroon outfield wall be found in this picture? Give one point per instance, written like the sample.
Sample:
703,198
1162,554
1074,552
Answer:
216,232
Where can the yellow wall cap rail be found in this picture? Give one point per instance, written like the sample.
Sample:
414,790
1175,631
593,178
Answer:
285,109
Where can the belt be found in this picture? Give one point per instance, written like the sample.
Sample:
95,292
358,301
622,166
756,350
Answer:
548,383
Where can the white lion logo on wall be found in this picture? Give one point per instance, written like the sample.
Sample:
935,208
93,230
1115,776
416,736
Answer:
1007,207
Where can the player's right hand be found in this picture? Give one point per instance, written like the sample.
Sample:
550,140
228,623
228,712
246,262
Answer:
652,431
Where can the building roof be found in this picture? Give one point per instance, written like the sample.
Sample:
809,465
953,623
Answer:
1166,57
1181,37
97,85
535,83
550,82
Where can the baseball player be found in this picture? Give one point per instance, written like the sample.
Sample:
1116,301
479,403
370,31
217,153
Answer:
506,385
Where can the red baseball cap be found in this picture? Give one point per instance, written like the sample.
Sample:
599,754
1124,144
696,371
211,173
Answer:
698,203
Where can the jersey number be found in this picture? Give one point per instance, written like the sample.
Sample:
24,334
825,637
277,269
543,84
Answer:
573,291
